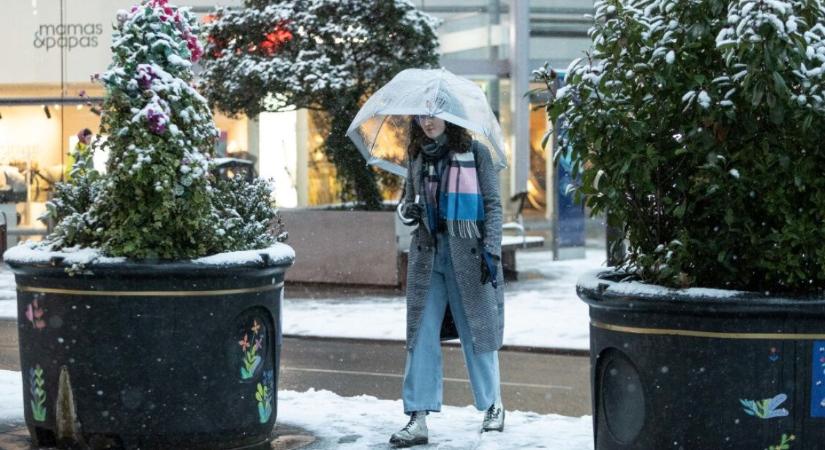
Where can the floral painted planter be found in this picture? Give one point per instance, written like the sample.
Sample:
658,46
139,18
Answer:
702,368
138,355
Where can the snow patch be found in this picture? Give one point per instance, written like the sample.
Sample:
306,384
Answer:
278,254
453,427
31,252
591,281
11,396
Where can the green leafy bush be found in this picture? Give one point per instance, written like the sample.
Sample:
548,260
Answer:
157,200
698,126
323,55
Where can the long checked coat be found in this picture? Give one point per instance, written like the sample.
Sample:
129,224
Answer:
483,304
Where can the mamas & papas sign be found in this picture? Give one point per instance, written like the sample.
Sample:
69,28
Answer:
67,35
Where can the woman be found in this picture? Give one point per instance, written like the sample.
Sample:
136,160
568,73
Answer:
452,194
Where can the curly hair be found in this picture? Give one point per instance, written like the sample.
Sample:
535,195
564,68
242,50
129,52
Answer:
458,138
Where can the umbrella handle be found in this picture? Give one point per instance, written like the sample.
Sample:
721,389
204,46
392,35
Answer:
404,219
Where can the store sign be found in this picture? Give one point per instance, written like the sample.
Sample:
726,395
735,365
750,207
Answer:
69,36
51,42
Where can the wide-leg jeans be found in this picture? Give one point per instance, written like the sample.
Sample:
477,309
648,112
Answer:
423,374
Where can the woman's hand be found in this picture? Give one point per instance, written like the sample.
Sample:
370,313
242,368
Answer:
412,213
489,263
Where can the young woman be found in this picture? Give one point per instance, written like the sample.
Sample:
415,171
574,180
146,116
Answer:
451,193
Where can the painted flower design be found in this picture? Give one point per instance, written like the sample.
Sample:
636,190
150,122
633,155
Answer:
244,343
35,315
252,344
263,395
38,393
766,409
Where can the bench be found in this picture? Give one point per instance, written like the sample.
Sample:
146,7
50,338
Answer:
509,245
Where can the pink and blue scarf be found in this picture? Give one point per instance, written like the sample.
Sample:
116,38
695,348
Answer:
460,203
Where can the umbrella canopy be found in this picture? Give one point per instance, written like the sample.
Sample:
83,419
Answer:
380,130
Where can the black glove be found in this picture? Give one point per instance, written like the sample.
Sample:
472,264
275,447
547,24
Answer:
489,262
413,213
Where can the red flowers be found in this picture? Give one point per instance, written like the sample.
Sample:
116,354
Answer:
274,40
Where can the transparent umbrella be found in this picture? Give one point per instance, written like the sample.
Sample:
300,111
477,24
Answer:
380,130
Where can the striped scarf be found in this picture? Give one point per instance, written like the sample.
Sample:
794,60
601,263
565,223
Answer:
459,204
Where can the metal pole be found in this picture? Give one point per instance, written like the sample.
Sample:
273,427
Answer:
520,104
495,21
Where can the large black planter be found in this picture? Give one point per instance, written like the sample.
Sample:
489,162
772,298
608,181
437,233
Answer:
151,356
704,369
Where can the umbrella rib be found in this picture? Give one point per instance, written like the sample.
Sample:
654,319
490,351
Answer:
377,132
438,88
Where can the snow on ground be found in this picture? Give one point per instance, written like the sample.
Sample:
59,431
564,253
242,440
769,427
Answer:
366,422
11,396
8,293
542,310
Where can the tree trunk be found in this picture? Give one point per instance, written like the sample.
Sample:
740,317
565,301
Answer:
357,179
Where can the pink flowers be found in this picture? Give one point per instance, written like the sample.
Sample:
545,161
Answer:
194,47
244,343
157,121
145,76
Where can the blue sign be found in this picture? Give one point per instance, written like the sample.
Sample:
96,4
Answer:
570,230
818,380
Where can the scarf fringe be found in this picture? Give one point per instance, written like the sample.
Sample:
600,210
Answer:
467,229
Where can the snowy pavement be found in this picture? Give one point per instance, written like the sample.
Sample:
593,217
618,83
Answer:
541,311
366,422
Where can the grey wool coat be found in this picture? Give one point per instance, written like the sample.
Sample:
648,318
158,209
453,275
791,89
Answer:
483,304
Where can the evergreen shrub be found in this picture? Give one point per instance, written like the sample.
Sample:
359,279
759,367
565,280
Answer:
698,127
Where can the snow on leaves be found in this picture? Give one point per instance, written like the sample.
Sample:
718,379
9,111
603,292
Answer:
742,85
156,201
302,51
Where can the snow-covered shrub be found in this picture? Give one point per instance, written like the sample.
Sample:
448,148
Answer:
248,219
699,128
70,206
324,55
156,199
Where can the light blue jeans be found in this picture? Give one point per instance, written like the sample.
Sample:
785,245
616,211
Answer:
423,374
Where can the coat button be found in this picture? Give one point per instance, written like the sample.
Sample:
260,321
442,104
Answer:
419,248
473,250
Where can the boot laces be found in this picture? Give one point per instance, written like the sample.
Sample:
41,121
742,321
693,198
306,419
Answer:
492,413
410,424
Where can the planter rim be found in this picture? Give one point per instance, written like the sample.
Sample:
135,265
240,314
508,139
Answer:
28,256
603,288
